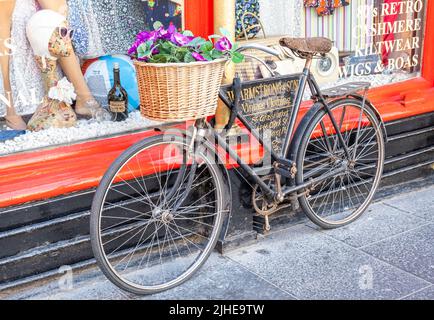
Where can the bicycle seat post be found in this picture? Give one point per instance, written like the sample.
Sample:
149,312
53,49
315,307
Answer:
308,64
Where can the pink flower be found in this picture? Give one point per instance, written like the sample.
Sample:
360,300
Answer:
133,49
198,56
181,40
223,44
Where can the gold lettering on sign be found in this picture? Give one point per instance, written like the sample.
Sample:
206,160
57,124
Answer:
268,107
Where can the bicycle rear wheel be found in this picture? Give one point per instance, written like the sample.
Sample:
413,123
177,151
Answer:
157,214
342,198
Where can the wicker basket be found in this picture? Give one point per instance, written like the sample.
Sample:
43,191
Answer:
179,91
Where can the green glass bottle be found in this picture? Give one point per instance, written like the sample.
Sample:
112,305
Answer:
118,97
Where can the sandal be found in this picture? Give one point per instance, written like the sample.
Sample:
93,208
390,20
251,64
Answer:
15,122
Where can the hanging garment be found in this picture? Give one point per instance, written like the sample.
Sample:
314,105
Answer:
341,26
326,7
107,27
24,74
164,11
104,27
242,7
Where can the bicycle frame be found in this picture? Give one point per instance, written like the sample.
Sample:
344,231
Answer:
306,78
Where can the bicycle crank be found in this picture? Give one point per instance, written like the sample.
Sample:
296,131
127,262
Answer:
263,206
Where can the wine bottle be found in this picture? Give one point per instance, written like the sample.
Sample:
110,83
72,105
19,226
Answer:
118,97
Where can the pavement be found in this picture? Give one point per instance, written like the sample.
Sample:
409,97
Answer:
387,254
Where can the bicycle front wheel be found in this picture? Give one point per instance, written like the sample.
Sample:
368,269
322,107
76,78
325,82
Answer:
157,214
340,198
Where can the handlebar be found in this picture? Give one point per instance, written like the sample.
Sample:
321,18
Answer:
256,46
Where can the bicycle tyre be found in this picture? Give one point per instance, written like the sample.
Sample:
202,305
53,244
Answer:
208,155
305,141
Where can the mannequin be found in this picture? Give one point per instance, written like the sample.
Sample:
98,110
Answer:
13,120
50,39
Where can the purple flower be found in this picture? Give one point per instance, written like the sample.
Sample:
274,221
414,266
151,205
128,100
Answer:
198,56
147,35
133,49
223,44
180,40
163,33
171,29
143,36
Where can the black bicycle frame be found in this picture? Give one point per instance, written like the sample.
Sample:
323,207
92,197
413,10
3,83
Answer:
306,78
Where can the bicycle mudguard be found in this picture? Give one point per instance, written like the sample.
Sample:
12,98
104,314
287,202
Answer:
235,106
319,107
377,113
227,206
225,173
298,135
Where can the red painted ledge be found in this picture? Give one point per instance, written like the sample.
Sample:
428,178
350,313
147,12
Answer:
53,172
48,173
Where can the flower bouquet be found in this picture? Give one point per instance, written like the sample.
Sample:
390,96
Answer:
178,74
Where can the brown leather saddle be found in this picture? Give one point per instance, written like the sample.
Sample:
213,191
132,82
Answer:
308,46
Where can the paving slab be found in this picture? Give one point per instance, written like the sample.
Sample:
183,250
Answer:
378,223
311,265
420,203
387,254
412,251
425,294
219,278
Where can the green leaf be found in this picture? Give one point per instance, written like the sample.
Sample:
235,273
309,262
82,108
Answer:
157,25
207,56
160,58
144,50
237,57
196,42
214,36
207,47
181,53
189,58
215,54
165,46
188,33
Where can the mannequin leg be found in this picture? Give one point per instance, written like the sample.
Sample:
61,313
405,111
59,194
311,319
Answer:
13,120
71,66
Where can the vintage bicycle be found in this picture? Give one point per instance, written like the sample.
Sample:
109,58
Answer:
164,203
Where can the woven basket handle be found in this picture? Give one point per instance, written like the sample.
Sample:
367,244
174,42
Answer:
259,25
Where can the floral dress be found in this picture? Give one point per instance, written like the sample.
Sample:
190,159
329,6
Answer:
326,7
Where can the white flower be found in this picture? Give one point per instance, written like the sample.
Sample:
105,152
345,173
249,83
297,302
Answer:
64,91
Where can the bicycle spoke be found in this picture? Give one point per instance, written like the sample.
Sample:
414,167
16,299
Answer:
341,198
151,240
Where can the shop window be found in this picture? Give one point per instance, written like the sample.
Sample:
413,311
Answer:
380,41
103,32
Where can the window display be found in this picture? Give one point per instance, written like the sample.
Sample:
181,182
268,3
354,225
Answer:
101,28
381,40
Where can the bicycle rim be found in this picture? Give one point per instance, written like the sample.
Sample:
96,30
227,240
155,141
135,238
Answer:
341,198
156,219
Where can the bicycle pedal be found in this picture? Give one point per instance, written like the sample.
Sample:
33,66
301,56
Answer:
285,168
263,171
285,162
